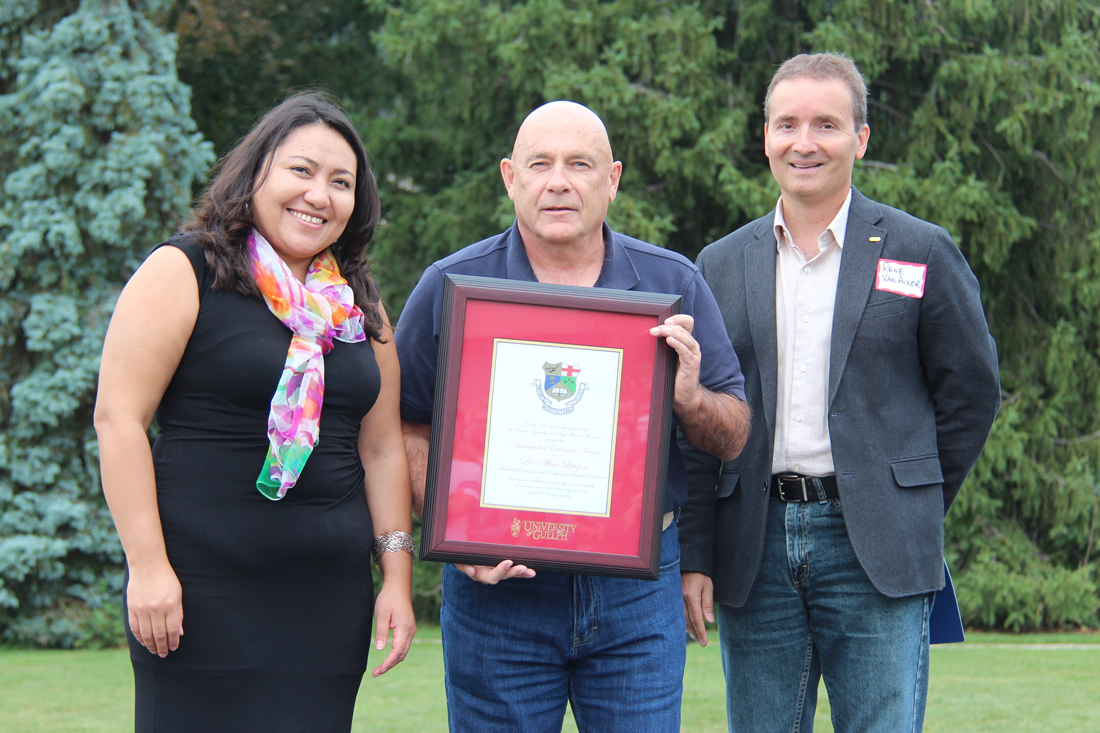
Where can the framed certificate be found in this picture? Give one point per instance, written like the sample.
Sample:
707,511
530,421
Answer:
551,428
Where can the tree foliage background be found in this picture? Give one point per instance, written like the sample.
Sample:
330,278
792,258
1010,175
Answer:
982,116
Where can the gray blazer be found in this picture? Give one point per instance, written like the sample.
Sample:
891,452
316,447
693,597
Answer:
913,390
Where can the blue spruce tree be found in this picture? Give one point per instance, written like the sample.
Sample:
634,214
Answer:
98,160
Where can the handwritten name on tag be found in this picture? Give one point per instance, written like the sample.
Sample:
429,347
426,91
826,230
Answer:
903,278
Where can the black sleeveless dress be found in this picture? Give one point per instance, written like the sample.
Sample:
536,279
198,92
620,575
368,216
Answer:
277,595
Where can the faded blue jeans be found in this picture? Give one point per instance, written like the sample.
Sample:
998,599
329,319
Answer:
614,648
813,613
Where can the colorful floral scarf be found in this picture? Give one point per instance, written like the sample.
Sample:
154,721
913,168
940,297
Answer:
321,309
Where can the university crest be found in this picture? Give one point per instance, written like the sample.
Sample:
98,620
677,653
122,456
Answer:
558,389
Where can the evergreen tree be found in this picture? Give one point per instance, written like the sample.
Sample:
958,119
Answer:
471,71
988,111
98,158
982,117
242,57
983,120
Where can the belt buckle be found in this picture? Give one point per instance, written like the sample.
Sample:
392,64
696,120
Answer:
794,478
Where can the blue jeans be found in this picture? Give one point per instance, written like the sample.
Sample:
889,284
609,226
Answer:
614,648
814,613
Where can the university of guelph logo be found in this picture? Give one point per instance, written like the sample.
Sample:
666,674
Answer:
559,386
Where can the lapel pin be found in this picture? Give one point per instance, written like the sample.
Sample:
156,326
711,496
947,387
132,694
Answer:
874,239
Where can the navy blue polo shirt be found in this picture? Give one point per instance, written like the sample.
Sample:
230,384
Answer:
629,264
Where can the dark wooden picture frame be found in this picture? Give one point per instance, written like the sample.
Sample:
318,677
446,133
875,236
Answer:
480,312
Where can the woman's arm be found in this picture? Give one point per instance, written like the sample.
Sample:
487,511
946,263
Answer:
149,330
389,498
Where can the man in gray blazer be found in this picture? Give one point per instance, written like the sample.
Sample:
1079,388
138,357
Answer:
873,382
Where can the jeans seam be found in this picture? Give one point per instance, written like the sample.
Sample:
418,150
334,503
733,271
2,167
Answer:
594,625
595,614
920,663
803,542
790,544
802,687
833,715
573,706
576,608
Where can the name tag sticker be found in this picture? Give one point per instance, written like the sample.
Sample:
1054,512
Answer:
903,278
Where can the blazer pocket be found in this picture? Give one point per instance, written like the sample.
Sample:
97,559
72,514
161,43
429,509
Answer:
885,307
727,483
914,472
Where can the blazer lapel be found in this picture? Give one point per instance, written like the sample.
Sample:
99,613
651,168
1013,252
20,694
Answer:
760,294
863,243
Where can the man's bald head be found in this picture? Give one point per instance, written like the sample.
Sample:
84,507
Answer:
562,177
558,117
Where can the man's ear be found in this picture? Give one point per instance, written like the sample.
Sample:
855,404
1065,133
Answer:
864,135
508,173
616,174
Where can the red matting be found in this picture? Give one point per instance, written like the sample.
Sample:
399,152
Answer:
620,533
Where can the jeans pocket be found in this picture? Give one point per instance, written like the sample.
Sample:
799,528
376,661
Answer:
836,503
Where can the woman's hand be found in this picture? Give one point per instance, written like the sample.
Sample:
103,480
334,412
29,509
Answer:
393,610
154,599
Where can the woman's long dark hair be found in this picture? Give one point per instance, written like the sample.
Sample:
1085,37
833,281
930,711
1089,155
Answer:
223,218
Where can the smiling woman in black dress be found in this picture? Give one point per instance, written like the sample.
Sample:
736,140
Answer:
274,590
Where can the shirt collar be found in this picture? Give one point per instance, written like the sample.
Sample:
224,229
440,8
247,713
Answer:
838,226
519,267
617,272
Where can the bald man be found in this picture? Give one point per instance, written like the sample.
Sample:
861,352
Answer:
517,645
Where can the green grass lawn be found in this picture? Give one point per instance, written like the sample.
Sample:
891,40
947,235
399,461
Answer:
993,682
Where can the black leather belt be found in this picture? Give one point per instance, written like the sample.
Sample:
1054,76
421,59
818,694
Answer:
796,487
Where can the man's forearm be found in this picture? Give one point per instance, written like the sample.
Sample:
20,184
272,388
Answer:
718,424
417,437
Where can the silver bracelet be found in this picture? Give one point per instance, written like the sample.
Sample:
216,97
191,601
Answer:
393,542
